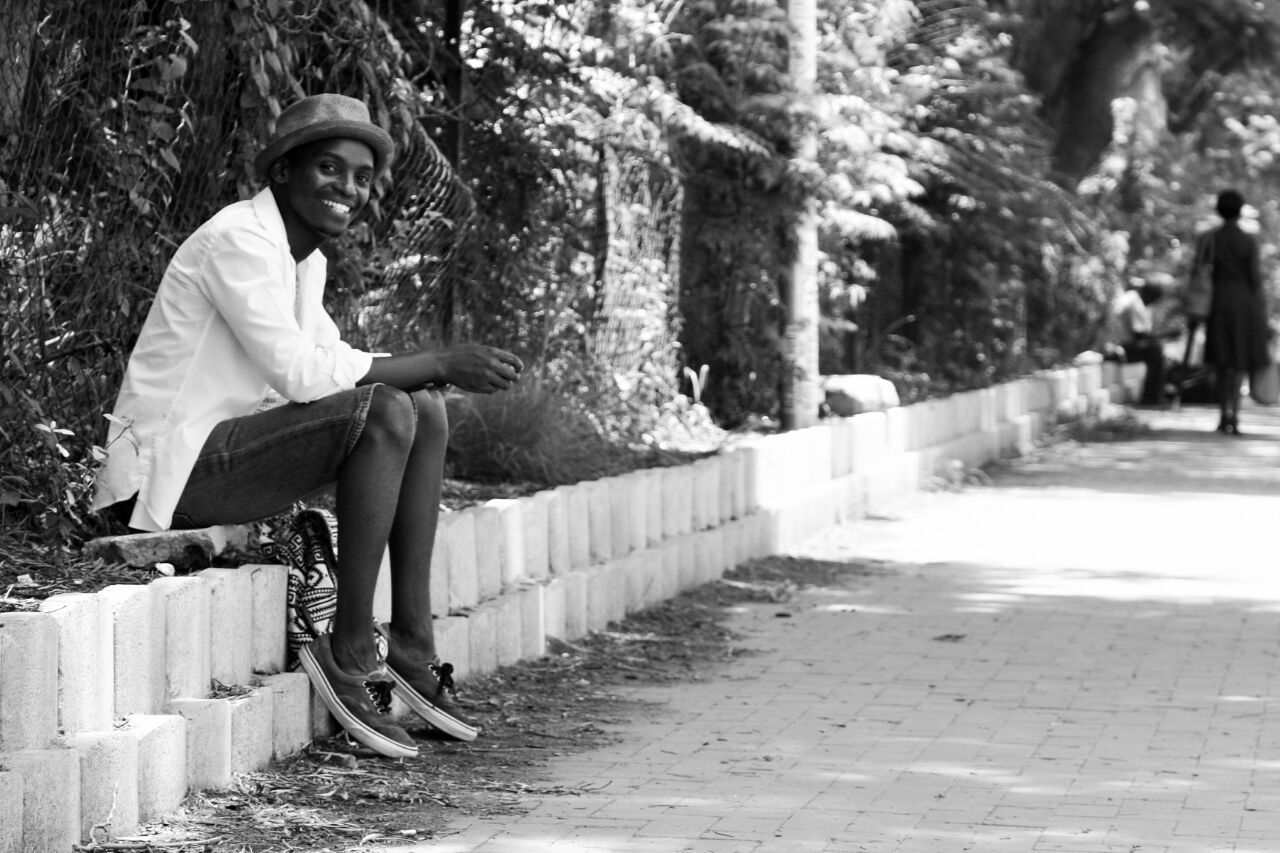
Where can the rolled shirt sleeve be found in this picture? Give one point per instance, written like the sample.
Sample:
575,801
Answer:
234,322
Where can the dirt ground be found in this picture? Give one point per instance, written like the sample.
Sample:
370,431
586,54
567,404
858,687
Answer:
338,796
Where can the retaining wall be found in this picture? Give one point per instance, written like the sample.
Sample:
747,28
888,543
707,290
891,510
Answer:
114,705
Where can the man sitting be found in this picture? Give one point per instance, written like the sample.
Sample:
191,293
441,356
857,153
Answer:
1134,339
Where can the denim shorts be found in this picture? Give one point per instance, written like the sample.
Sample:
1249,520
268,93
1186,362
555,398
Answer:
261,464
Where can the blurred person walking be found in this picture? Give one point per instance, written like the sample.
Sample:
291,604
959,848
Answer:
1236,328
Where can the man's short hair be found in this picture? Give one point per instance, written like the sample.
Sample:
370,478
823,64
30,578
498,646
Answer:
1230,203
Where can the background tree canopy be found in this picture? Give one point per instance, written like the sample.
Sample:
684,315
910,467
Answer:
984,176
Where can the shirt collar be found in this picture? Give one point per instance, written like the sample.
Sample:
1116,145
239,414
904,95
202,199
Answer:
265,208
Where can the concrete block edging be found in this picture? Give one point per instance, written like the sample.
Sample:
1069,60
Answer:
517,573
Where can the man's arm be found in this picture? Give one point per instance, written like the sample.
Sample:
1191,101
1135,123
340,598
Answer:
476,368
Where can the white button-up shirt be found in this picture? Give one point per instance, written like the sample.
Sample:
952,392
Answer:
235,322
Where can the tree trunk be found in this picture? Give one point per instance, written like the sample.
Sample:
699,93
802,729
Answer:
800,381
1081,56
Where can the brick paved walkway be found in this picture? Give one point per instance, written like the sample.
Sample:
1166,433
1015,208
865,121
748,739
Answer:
1081,656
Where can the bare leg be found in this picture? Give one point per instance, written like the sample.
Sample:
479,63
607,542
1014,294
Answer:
1237,380
413,533
1225,378
1230,381
368,494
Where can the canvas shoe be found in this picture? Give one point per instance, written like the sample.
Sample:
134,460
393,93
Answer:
360,703
427,689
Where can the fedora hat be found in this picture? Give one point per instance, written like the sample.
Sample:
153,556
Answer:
324,117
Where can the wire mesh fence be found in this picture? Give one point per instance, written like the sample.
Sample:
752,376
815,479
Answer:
124,126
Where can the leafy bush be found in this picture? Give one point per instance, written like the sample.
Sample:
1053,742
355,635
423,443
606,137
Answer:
535,433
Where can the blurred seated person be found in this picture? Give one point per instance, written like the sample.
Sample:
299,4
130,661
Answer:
1133,337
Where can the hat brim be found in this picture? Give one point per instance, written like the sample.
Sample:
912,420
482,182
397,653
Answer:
372,135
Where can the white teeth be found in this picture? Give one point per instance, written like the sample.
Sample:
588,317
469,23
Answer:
341,208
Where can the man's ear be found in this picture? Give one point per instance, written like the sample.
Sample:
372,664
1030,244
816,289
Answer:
279,171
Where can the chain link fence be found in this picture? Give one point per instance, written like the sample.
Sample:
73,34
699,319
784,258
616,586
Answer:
123,126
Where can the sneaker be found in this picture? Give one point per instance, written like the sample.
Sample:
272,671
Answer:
360,703
428,691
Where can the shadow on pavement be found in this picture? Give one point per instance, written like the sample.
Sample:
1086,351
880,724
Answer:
1181,453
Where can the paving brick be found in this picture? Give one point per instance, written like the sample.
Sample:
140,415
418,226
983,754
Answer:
11,808
29,686
537,545
86,661
870,439
729,497
512,558
489,534
138,658
162,762
270,596
554,610
576,501
673,502
559,547
508,630
672,557
576,619
840,431
652,489
637,570
252,730
290,712
231,609
50,797
685,495
533,633
709,550
705,476
631,510
606,595
188,631
208,754
482,624
108,784
453,642
622,506
459,532
599,510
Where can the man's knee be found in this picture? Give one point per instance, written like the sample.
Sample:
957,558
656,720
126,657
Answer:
391,415
432,417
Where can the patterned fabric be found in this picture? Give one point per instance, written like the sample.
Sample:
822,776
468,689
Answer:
306,542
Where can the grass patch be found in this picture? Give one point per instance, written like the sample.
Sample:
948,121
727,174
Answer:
1116,425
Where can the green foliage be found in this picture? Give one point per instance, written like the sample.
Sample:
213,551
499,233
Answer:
142,119
87,225
980,280
536,432
738,200
1103,426
629,179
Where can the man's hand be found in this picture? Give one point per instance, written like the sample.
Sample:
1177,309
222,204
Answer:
480,369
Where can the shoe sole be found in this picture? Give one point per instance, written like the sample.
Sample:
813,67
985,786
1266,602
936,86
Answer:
371,738
443,721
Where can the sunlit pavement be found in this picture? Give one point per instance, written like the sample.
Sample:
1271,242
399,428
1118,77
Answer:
1081,656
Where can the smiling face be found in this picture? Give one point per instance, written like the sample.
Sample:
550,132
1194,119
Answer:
321,188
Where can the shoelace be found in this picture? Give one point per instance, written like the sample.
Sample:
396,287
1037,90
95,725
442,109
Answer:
444,675
380,695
